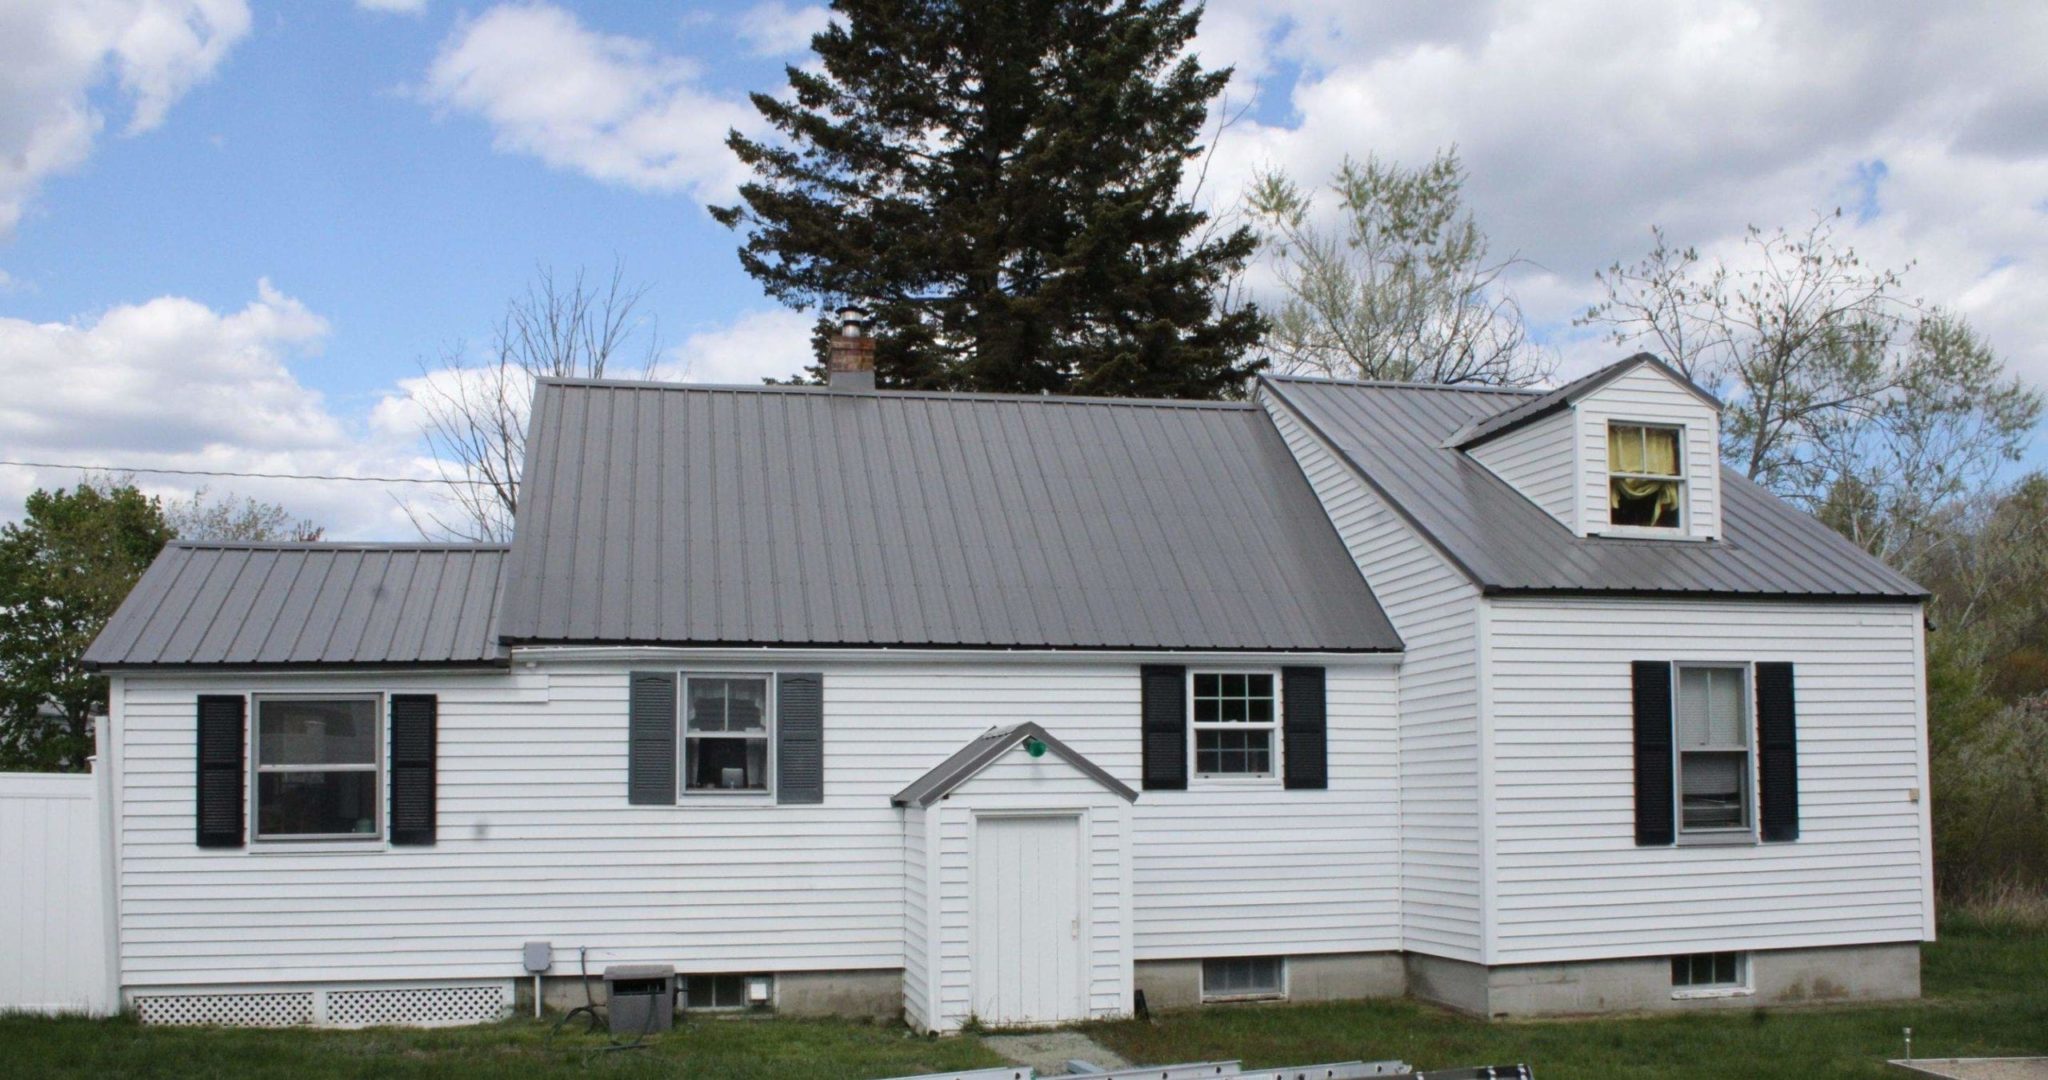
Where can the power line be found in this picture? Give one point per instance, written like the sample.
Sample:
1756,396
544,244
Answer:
245,475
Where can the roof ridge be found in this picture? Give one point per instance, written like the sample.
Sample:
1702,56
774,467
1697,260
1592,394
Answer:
930,395
1396,384
334,545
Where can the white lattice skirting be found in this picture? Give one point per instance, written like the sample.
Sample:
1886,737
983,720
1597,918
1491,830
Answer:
347,1007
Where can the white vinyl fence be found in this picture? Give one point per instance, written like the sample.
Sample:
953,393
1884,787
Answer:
54,927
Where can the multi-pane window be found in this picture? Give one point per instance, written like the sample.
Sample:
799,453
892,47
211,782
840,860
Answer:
1644,487
1713,748
1235,723
317,765
1243,977
725,733
716,991
1707,971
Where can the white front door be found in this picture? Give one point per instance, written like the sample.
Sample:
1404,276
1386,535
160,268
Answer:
1027,962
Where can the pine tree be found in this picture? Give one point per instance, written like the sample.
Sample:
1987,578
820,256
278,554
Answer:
999,182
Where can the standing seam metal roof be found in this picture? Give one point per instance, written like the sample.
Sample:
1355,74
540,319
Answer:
1396,437
662,513
249,604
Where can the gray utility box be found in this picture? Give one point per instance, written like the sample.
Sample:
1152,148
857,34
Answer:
640,998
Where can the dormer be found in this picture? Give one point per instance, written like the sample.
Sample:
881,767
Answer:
1632,450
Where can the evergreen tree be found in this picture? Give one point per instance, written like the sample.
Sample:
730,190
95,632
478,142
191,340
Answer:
999,183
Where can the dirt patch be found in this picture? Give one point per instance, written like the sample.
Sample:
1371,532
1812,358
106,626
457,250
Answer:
2033,1068
1049,1051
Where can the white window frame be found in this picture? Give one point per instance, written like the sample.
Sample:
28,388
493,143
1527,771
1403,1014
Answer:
1277,994
683,737
379,717
1279,710
1684,526
1745,697
1743,985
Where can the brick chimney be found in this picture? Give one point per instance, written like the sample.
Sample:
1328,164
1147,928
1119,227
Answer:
850,360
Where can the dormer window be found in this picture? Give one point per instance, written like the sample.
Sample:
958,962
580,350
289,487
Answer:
1645,480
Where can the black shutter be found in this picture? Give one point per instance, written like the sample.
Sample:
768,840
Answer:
800,738
651,739
1305,725
414,737
1164,713
1654,798
1777,738
221,764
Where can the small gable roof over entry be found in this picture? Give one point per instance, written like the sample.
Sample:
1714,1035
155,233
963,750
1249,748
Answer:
983,751
672,514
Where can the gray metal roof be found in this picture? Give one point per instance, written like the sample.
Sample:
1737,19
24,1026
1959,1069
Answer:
992,744
234,604
671,514
1564,397
1397,438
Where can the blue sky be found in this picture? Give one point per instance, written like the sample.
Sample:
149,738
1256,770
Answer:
231,230
310,158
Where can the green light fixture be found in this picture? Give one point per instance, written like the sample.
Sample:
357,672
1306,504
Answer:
1034,747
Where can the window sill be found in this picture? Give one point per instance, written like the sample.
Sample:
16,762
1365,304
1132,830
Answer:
1632,532
695,794
1240,999
324,845
1729,838
1199,781
1709,993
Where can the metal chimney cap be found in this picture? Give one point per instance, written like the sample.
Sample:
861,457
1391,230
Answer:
853,320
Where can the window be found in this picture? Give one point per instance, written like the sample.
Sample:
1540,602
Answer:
1644,487
1239,977
1713,748
1235,721
725,733
1709,971
317,767
723,991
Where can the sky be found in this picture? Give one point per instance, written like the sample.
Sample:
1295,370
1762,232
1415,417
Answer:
233,234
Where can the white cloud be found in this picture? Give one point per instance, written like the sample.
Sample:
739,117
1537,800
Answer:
776,28
55,56
402,7
773,344
172,384
609,106
1584,124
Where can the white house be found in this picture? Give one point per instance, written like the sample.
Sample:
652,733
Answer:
974,706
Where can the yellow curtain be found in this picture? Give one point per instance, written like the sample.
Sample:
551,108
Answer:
1660,452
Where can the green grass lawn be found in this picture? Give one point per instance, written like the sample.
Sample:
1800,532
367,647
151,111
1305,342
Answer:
1987,994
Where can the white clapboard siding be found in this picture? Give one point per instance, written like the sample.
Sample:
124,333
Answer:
1018,783
917,891
1646,395
1571,884
537,842
53,921
1540,460
1434,608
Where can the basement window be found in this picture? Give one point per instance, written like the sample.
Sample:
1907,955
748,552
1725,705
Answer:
1645,486
725,993
1710,971
1236,721
318,763
726,737
1244,978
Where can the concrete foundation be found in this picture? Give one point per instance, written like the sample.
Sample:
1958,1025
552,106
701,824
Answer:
1643,984
1177,984
876,995
873,994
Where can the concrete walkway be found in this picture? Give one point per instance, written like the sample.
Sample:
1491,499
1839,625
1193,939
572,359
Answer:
1049,1051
